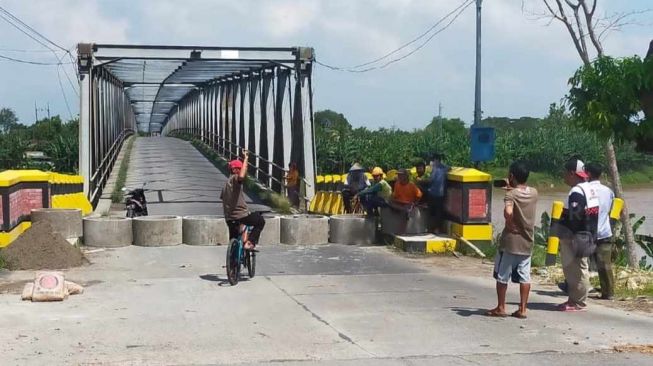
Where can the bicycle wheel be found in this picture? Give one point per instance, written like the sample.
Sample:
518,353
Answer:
233,262
250,259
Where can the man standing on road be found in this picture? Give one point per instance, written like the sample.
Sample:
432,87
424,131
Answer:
604,243
513,259
235,208
437,192
578,226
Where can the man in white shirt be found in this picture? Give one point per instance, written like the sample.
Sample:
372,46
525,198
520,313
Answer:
604,242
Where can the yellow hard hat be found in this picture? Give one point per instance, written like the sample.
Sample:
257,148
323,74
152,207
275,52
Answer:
377,171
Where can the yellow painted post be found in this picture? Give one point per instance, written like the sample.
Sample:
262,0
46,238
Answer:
617,206
553,242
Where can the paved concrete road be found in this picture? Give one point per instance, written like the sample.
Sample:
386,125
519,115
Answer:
179,179
322,305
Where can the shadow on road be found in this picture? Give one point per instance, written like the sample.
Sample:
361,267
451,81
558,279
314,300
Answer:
466,312
222,281
552,293
544,306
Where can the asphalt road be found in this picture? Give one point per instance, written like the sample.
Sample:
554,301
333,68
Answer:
322,305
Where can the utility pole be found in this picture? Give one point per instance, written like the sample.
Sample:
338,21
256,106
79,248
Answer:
36,113
477,99
440,116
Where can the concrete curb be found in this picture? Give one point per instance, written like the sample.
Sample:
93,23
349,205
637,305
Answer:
65,221
108,231
304,229
157,231
205,230
271,233
352,229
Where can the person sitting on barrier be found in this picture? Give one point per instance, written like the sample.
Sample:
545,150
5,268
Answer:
405,194
235,208
292,184
437,192
377,195
356,182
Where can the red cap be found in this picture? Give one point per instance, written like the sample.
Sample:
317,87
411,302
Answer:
235,164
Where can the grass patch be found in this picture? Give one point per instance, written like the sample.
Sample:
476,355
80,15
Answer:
116,195
3,264
275,200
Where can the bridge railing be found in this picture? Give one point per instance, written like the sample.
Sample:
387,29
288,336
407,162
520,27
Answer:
106,120
230,151
266,111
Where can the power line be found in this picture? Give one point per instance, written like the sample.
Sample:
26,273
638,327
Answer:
32,62
466,2
31,29
356,69
12,20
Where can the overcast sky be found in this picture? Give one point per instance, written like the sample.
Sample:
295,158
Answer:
526,64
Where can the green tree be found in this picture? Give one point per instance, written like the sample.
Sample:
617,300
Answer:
8,120
578,17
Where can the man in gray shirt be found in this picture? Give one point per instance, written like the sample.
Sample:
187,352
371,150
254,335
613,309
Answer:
236,212
513,259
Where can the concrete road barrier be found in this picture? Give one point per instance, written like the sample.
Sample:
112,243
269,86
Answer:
108,231
394,222
304,229
205,230
67,222
157,231
352,229
271,233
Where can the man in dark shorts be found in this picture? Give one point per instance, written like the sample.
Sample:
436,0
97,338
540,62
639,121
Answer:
513,259
235,208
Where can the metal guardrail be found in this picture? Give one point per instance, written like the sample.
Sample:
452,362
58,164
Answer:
100,176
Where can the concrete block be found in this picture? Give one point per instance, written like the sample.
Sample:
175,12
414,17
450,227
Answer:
271,233
108,231
304,229
395,222
205,230
157,231
67,222
352,229
428,243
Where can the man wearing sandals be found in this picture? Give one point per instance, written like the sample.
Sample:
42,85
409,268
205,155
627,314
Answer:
513,259
577,232
235,208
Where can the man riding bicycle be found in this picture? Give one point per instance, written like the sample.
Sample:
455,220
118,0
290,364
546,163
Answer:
236,212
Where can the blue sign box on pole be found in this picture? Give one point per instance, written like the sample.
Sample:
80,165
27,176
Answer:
482,143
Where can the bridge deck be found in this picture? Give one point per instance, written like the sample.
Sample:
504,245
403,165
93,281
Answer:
179,179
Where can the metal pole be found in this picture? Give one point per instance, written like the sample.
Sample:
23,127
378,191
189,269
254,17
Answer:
477,100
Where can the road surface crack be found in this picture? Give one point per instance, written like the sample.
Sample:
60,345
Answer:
319,318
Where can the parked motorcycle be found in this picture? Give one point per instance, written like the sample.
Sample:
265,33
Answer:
135,202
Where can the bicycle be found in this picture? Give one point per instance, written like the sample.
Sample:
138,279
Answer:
238,256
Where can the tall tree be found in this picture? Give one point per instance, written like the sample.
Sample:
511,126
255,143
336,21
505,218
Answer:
580,20
8,120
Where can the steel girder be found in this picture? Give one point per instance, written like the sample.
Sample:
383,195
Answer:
230,98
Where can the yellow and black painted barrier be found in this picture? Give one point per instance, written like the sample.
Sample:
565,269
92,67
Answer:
469,206
553,242
21,191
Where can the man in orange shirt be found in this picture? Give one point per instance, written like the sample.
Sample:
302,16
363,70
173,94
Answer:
405,194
